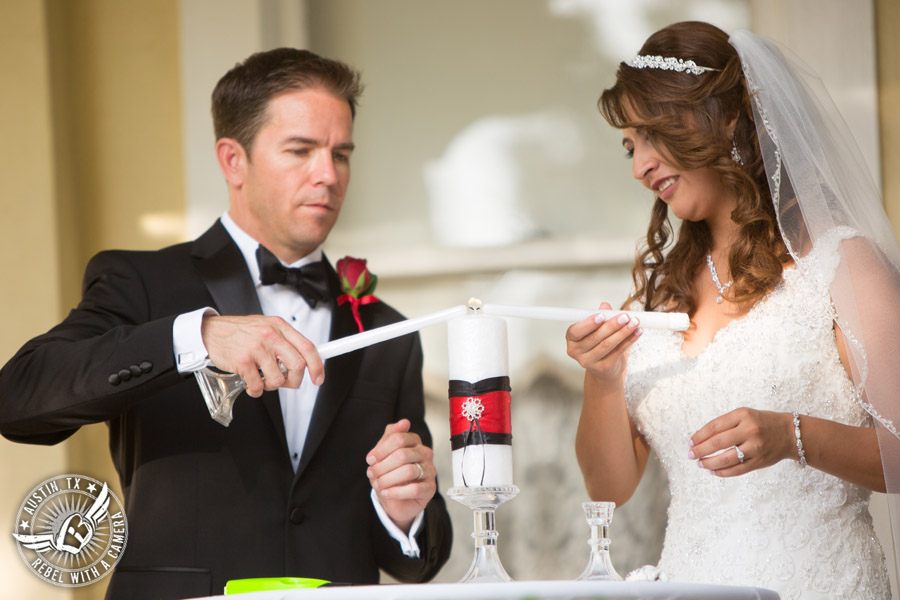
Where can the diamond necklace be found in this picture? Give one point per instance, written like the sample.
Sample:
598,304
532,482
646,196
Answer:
715,278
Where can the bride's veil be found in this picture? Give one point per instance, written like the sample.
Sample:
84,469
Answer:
819,181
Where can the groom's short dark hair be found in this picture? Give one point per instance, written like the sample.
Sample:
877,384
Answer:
242,95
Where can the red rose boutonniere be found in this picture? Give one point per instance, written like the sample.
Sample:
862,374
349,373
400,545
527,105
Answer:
357,283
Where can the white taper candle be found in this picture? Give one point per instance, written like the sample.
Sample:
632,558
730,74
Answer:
387,332
648,320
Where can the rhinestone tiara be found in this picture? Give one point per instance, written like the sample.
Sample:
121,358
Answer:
667,63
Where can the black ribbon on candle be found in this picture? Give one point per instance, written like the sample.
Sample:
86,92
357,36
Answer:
469,401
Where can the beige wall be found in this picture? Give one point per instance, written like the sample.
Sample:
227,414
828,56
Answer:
91,160
887,19
27,218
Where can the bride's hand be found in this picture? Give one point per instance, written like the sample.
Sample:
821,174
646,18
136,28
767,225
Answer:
763,437
601,346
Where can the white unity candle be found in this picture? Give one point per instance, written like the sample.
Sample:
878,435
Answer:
480,431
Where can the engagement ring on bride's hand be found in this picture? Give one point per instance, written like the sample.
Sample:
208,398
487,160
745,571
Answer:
740,454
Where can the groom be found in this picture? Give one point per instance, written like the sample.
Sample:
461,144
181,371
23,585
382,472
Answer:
326,471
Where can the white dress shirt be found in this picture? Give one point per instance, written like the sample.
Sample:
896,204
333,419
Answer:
314,324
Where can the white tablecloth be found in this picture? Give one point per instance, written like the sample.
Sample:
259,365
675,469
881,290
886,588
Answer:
531,590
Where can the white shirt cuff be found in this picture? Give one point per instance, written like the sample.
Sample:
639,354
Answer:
407,542
187,340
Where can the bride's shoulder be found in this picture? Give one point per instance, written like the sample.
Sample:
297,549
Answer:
846,247
832,240
829,249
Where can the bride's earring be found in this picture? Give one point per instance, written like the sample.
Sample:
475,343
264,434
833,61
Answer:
735,153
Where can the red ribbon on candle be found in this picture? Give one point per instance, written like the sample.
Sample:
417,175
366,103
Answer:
494,416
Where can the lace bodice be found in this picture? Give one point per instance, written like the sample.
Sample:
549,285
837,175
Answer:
798,531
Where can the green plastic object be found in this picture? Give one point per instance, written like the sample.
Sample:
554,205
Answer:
268,584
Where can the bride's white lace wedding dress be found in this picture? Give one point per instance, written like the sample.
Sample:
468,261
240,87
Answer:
795,530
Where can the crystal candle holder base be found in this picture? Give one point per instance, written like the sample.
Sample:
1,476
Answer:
483,501
599,516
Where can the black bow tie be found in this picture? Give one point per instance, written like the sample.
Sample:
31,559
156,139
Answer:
310,281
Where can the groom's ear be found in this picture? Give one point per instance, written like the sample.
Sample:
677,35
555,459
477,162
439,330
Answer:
233,161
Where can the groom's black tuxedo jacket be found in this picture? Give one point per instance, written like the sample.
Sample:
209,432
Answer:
206,503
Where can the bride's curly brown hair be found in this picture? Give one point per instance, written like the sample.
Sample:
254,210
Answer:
687,117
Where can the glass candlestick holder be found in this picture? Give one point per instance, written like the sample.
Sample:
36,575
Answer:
219,390
486,566
599,516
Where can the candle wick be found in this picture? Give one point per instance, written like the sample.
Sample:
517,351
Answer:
474,306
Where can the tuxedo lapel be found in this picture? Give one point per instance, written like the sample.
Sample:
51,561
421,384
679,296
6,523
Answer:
340,374
223,270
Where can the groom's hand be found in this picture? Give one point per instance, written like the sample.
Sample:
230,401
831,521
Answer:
253,346
401,471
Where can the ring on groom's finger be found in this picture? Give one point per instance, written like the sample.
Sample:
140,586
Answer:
421,472
740,455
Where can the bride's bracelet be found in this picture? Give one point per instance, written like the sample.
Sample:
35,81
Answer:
800,451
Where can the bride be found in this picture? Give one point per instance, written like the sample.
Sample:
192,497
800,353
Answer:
774,414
